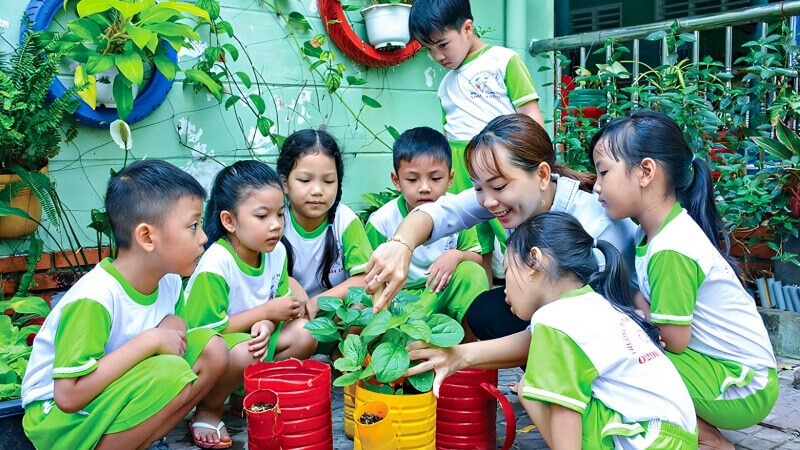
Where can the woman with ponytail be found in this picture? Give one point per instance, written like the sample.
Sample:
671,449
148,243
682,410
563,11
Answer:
241,287
327,245
596,376
515,177
708,321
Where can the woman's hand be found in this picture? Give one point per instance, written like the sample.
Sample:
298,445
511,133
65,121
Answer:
387,267
443,361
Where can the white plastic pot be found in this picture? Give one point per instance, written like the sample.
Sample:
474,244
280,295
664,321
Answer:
105,88
387,25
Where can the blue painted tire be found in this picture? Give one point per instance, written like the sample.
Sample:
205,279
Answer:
41,13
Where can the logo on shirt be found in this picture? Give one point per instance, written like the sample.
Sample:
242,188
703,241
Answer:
276,280
636,341
486,84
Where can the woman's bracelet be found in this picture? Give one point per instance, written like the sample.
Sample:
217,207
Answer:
401,241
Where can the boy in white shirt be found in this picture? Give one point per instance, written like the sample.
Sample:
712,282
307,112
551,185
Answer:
446,274
112,365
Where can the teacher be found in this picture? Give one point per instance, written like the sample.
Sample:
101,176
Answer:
515,177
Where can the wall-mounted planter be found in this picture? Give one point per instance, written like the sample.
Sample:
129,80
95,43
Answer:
41,13
387,25
12,436
14,227
105,90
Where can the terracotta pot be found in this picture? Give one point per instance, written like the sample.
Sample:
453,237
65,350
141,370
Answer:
13,227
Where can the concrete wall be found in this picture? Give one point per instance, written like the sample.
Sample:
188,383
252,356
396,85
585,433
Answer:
187,127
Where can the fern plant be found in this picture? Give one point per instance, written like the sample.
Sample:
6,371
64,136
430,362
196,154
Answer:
31,126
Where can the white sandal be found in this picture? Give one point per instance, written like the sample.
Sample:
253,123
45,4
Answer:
217,429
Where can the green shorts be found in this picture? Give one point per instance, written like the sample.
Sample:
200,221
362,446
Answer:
469,280
601,424
708,379
131,399
196,341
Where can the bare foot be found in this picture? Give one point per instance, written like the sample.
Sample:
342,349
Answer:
206,435
710,438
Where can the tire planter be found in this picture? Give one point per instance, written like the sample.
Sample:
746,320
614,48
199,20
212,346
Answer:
12,437
41,13
14,227
342,34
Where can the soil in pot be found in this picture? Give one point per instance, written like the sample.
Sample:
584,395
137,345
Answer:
369,419
261,407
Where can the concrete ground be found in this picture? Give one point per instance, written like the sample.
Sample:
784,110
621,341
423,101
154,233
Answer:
780,430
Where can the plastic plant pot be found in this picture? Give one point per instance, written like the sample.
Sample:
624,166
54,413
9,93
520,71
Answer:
413,418
380,434
387,25
264,428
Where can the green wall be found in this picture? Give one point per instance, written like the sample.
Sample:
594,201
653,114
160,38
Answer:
188,127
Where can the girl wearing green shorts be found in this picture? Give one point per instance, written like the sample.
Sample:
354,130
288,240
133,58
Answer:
241,287
709,323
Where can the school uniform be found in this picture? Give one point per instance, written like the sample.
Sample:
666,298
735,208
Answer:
223,285
493,82
469,278
589,357
99,314
728,366
309,246
489,316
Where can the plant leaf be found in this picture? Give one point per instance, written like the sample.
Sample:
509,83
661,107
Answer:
445,331
348,315
422,382
353,80
347,379
259,103
186,8
26,305
123,96
390,361
377,326
323,329
245,79
354,349
130,66
369,101
201,77
417,330
166,66
788,138
89,93
298,21
7,210
232,50
773,147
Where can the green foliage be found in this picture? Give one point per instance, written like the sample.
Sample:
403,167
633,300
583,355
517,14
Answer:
375,201
723,118
31,127
378,353
128,36
16,328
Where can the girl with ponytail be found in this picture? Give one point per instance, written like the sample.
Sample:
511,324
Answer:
326,242
596,376
240,287
708,321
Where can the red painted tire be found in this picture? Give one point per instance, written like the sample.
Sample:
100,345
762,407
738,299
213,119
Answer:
342,34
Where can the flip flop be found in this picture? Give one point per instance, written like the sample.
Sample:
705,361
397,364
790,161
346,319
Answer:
222,444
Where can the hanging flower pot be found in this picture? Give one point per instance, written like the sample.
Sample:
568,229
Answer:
374,426
264,424
387,25
13,226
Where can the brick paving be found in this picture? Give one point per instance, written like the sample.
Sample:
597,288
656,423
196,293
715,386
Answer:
780,430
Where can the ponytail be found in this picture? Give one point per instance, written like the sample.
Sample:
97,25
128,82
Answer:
649,134
231,186
565,243
295,146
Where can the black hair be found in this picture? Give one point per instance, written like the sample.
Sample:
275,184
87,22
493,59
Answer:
421,142
143,192
650,134
232,185
298,144
569,249
435,16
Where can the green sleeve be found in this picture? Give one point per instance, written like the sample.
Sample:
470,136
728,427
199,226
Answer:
375,237
81,337
558,370
674,282
357,248
519,83
206,306
283,284
468,241
444,116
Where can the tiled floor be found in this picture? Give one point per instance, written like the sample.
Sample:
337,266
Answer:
780,430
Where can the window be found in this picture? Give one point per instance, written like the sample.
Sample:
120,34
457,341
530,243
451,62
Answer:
592,19
676,9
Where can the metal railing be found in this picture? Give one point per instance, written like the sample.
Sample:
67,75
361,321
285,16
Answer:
634,34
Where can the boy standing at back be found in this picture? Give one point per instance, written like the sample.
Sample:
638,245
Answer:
112,366
446,274
485,81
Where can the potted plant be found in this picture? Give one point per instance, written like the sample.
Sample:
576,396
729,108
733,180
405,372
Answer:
376,359
31,130
387,24
129,39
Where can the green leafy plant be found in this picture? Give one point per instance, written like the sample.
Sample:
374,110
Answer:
377,355
129,35
19,323
375,200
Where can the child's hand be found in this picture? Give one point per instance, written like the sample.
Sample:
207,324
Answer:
260,331
285,308
441,271
173,322
312,309
169,341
